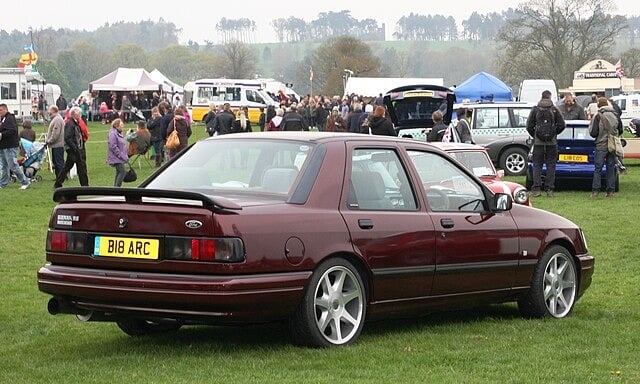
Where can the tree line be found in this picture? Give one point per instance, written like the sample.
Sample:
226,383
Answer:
545,39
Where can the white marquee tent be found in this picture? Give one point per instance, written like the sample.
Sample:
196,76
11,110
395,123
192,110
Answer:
126,79
168,86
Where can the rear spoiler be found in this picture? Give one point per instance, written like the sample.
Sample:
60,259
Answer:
135,195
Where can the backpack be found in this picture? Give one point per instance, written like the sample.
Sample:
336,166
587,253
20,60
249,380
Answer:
545,124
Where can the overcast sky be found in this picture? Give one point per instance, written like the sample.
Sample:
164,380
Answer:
197,19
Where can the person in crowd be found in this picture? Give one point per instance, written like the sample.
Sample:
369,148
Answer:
83,130
354,117
269,114
274,123
139,140
439,128
634,126
27,131
223,123
322,113
294,121
117,155
335,122
379,124
313,112
241,123
544,124
84,108
605,123
74,145
182,109
167,117
34,107
125,108
106,114
179,123
55,139
154,125
9,144
570,109
209,118
592,108
463,129
155,99
379,100
42,106
344,108
61,103
262,120
363,120
143,105
615,106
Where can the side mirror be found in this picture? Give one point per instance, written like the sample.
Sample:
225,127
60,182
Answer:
529,141
501,202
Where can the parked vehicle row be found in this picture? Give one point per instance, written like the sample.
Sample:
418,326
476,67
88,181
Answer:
499,127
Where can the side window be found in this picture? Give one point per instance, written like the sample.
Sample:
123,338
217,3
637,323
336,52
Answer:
446,186
503,118
486,118
378,181
250,95
520,116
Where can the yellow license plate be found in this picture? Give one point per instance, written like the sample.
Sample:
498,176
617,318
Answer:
126,247
574,158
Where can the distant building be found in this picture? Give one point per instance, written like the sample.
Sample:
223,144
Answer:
601,77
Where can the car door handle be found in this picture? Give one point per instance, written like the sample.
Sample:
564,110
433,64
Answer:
365,223
446,223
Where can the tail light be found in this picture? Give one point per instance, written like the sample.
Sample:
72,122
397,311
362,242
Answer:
230,250
69,242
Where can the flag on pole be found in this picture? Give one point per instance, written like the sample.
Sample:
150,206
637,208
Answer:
619,69
28,48
446,138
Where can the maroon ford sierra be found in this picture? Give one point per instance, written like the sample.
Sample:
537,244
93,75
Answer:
322,231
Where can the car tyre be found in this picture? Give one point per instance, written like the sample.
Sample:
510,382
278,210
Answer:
553,290
142,327
332,311
514,161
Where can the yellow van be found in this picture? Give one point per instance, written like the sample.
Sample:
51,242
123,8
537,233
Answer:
237,92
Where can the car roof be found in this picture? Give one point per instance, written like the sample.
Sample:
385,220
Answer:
451,146
494,104
311,137
577,123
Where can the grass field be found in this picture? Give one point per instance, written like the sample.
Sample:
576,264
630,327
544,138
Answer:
598,343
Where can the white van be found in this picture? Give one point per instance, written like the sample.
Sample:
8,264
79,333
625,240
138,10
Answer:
630,106
531,90
237,93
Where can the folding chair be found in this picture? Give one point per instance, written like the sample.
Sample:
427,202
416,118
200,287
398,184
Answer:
144,155
143,145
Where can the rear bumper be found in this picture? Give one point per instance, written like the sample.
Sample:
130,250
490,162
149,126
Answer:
197,298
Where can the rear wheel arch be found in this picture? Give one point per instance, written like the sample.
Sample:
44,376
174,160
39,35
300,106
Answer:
334,305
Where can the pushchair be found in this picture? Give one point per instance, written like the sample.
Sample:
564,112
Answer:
35,155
